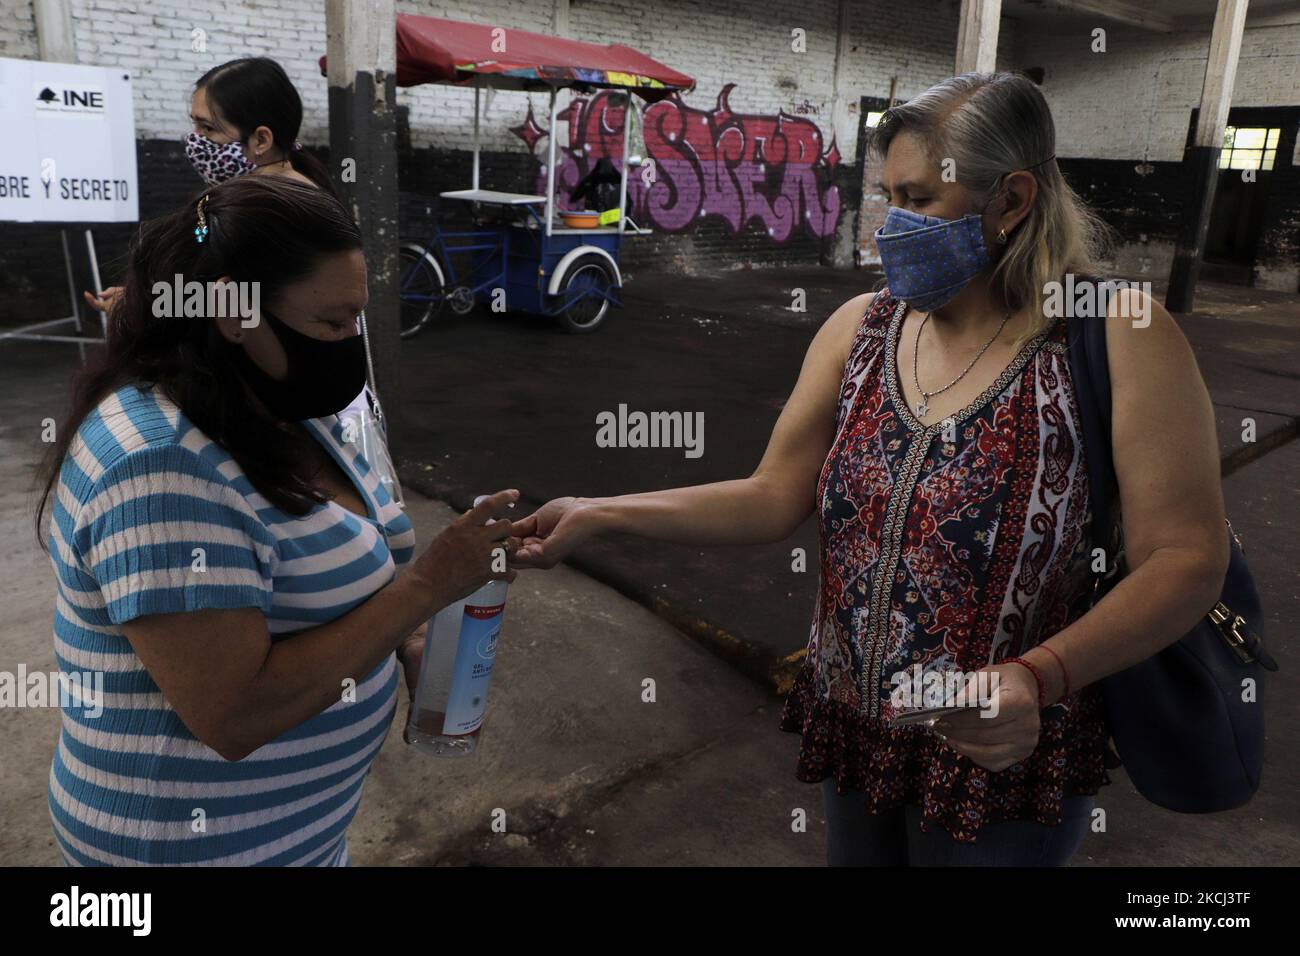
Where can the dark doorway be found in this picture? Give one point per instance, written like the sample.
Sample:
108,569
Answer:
1245,177
1253,153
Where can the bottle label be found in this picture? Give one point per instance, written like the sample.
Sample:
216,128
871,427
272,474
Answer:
472,672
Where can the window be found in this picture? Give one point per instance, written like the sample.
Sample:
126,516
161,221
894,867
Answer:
1253,147
873,118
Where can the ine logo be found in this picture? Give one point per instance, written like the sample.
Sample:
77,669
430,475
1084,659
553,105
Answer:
83,100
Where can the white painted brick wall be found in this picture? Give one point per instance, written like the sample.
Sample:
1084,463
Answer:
1137,105
1135,100
716,41
154,41
720,42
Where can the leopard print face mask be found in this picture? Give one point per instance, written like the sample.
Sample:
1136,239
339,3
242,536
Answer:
216,162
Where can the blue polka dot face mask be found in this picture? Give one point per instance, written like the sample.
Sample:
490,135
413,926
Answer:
928,260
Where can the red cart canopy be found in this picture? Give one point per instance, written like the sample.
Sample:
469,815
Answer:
433,50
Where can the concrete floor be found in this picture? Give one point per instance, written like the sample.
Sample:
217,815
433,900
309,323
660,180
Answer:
583,769
494,401
730,346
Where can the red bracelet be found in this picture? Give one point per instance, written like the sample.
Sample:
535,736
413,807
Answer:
1065,675
1042,688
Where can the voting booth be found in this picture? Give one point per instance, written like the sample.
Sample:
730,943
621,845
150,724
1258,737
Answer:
67,158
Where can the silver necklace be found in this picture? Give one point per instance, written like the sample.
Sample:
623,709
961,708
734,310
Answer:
923,405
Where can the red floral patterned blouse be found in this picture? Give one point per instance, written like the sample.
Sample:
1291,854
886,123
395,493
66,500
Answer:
949,547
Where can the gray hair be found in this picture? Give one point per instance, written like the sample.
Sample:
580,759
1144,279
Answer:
990,124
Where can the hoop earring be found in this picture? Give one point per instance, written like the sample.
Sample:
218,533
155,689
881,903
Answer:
1002,237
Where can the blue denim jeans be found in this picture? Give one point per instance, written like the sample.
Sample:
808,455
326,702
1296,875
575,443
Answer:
856,837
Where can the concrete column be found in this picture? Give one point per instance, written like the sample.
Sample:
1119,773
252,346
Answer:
977,36
843,131
361,47
560,18
55,39
1203,156
843,121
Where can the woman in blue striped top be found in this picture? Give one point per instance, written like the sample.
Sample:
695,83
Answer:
223,555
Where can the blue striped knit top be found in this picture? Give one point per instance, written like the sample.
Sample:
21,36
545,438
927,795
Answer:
140,491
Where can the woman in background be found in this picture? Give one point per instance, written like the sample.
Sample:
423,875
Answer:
246,116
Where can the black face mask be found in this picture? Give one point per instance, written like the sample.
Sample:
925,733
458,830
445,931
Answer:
323,377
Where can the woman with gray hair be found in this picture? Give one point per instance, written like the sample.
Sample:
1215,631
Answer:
935,432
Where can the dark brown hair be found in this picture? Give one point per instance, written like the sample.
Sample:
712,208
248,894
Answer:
255,91
264,229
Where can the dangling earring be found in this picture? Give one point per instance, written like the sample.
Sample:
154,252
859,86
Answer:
1002,237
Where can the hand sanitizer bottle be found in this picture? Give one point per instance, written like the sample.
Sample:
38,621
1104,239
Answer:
460,646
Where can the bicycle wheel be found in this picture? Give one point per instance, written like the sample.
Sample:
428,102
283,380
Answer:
423,288
584,291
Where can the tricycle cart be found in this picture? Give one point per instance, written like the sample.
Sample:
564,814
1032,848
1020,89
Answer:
523,252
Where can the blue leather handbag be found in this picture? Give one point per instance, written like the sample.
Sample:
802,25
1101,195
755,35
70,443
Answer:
1188,722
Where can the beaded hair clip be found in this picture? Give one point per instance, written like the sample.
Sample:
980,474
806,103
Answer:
201,230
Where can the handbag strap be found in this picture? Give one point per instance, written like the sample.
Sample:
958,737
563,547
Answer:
1090,373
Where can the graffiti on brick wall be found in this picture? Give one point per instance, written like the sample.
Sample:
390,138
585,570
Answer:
741,168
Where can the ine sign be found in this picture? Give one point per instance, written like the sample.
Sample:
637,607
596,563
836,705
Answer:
68,150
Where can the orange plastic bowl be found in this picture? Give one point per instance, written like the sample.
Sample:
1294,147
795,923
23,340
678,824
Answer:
580,219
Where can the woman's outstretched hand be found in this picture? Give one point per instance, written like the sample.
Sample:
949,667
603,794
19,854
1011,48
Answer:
561,525
465,555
